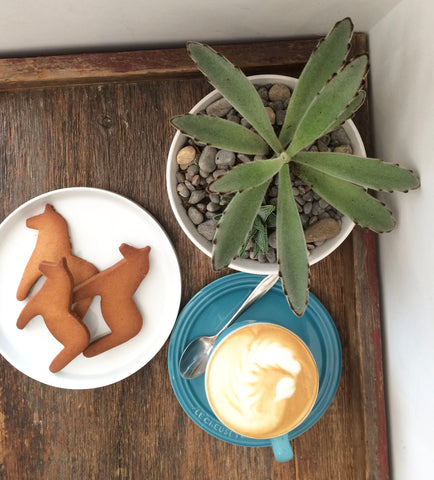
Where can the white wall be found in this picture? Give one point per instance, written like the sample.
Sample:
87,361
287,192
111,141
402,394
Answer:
401,43
34,27
402,70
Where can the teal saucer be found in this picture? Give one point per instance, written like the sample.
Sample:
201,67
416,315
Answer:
209,310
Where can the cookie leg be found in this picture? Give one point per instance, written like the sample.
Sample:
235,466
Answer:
30,310
29,278
68,354
107,342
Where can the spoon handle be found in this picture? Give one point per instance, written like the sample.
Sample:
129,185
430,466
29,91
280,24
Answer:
261,289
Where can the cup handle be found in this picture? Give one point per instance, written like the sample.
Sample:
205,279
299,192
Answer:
282,448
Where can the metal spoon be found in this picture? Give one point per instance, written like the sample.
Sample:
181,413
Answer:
195,356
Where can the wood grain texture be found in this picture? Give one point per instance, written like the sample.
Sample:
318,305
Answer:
105,125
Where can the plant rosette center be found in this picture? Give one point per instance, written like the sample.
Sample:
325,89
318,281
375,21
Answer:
200,165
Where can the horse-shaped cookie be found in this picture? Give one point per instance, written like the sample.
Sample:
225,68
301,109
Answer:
53,244
116,286
53,302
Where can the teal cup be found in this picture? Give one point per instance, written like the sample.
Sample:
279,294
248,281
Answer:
262,382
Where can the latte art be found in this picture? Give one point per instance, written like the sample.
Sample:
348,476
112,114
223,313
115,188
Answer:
261,381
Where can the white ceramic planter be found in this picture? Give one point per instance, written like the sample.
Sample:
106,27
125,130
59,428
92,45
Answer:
247,265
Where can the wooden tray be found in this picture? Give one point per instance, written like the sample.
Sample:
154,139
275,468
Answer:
102,120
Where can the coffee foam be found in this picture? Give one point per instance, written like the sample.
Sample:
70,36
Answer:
261,381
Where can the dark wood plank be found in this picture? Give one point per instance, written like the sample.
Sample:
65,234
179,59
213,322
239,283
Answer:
114,133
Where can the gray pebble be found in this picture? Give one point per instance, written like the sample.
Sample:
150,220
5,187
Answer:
219,108
218,173
182,190
225,158
180,177
261,257
272,240
322,203
280,117
213,207
307,208
243,158
196,196
245,123
339,137
195,216
214,197
271,255
207,162
207,229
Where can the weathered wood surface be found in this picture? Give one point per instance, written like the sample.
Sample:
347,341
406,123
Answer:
101,120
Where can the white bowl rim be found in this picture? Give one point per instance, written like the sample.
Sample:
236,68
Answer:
240,264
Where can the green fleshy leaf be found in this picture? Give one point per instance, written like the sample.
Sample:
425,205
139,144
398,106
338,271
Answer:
348,198
231,82
246,176
349,110
367,172
291,247
326,60
271,221
221,133
329,104
235,225
265,211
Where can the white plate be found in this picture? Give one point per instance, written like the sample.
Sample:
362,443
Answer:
99,222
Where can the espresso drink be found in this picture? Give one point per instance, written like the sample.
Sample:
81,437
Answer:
261,381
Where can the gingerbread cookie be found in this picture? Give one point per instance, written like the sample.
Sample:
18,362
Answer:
53,302
116,286
53,244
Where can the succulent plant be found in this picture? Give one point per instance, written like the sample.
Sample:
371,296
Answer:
329,91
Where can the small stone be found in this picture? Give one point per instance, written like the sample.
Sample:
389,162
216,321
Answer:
201,207
322,230
307,208
323,204
339,137
196,196
245,123
195,216
207,229
258,158
185,157
271,115
182,190
214,197
263,93
279,92
308,196
220,108
322,147
325,139
233,117
272,240
276,106
218,173
207,160
295,191
213,207
280,117
180,177
192,170
271,255
189,185
225,158
261,257
195,181
343,149
243,158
